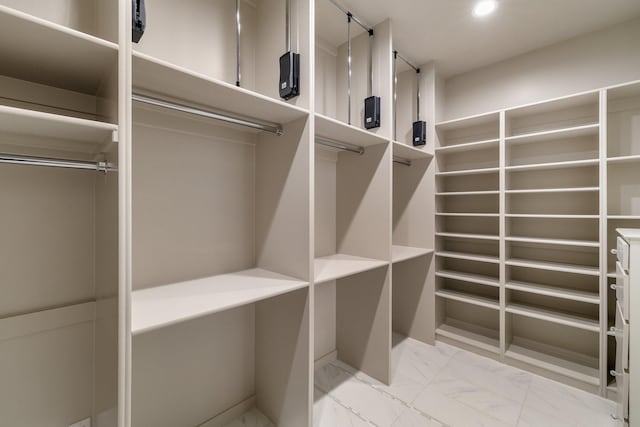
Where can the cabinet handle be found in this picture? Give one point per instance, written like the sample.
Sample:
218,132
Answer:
613,373
614,286
614,252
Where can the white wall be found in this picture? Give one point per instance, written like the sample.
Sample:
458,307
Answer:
603,58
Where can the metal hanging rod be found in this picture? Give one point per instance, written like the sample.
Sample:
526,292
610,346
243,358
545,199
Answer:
401,161
397,55
352,16
238,75
277,129
340,145
287,19
58,163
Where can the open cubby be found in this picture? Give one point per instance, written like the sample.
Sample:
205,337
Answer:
568,351
575,178
580,203
555,258
557,284
473,293
59,305
467,324
558,115
253,357
623,121
457,184
477,159
476,129
262,42
561,148
479,226
623,192
412,298
485,203
581,231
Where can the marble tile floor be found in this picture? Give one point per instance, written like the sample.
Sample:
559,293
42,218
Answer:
442,385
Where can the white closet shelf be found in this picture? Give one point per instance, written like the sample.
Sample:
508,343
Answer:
624,217
46,320
549,135
563,366
554,266
468,236
403,253
466,336
479,279
546,241
469,298
468,256
337,266
468,146
611,274
554,190
154,76
624,159
553,316
468,121
408,152
335,130
480,215
468,193
68,131
161,306
554,291
72,59
552,216
469,172
553,165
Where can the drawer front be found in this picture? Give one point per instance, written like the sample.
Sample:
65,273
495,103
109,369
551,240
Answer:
622,289
623,252
622,341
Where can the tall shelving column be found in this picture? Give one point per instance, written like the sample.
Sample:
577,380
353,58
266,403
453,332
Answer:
621,161
467,232
552,240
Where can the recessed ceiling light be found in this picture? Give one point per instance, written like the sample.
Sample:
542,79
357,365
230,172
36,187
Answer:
484,8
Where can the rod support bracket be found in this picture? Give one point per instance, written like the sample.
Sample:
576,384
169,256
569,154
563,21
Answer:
370,31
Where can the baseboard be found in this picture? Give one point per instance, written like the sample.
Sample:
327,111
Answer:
230,414
327,358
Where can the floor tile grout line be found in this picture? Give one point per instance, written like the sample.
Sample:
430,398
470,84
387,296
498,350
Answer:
352,410
524,401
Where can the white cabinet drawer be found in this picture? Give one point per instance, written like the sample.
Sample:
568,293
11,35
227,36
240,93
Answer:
623,253
622,341
622,289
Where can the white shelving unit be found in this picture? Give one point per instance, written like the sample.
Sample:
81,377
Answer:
59,123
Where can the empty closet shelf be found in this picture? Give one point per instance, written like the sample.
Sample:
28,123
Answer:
550,135
73,60
403,253
554,266
467,193
469,172
471,214
624,217
554,165
465,335
468,256
567,319
408,152
469,146
468,298
161,306
468,236
552,216
335,130
624,159
570,364
554,190
554,291
337,266
546,241
156,76
64,132
469,277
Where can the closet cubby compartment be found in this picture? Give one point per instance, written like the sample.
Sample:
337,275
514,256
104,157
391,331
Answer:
462,185
176,30
59,305
479,159
80,79
555,284
554,180
553,203
480,227
469,203
570,352
469,325
468,292
579,260
251,361
412,287
623,190
554,231
469,133
553,119
623,123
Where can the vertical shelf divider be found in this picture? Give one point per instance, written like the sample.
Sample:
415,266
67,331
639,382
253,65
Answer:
603,242
502,230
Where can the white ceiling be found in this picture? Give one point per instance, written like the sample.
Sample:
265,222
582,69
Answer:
446,31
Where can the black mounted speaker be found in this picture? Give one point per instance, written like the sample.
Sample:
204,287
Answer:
419,132
372,112
289,75
139,20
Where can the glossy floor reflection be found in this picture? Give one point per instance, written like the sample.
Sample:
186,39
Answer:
444,386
